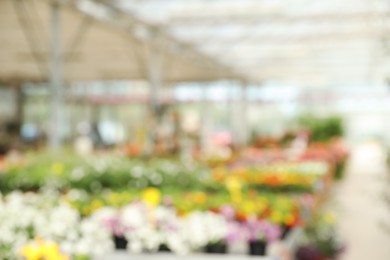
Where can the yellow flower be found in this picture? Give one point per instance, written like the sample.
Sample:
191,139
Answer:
31,251
233,184
329,218
40,249
249,207
57,168
261,205
118,199
276,217
96,204
51,251
151,196
113,199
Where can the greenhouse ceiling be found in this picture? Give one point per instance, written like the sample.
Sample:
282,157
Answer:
93,43
305,41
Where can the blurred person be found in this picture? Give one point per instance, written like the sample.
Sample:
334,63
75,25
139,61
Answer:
83,143
299,144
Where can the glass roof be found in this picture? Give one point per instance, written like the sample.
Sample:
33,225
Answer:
304,41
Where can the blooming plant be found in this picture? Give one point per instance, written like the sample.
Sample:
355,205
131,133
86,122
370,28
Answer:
40,249
24,217
262,230
320,239
236,230
146,228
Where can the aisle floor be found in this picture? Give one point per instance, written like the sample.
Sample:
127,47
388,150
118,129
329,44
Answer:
363,214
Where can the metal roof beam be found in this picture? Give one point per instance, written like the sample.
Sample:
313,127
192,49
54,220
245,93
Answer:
306,39
134,25
212,20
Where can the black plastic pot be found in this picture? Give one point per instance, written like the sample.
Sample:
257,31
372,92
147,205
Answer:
257,247
164,248
216,248
120,242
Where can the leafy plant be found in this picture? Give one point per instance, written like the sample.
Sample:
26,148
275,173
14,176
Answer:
320,239
322,129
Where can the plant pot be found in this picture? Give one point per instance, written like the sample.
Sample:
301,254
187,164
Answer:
120,242
216,248
257,247
164,248
311,253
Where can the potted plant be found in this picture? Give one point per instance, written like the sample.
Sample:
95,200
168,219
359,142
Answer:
216,228
320,240
260,233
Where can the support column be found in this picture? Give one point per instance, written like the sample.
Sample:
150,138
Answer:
19,105
233,113
204,119
155,83
240,116
55,136
243,126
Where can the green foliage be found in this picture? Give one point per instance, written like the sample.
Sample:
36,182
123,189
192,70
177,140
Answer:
340,170
321,233
322,129
96,173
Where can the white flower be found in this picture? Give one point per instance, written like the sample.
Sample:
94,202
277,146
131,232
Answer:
134,216
26,216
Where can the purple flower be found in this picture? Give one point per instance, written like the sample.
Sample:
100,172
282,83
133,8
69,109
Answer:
262,230
236,232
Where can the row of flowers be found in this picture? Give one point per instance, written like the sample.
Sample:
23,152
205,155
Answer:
282,174
280,209
50,229
148,228
97,173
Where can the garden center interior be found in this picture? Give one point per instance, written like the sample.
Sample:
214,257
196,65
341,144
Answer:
196,129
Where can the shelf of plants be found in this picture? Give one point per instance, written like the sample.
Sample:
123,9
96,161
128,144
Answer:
80,207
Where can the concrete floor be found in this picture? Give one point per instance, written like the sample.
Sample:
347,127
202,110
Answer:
363,214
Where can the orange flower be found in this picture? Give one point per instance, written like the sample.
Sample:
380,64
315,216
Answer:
199,197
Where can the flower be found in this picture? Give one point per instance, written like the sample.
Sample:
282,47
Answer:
151,196
262,230
320,236
55,223
228,212
40,249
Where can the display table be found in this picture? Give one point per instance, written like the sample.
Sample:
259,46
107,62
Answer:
236,252
167,256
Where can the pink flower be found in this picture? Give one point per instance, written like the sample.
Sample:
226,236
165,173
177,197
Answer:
228,212
262,230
